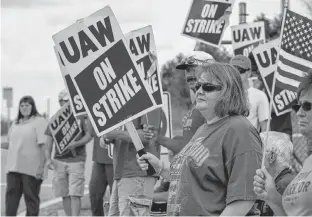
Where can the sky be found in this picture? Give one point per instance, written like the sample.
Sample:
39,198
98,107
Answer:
28,62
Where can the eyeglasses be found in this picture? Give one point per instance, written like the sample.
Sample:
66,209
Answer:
241,70
207,87
306,106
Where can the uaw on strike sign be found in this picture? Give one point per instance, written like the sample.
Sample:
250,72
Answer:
74,96
201,22
266,59
143,48
64,128
104,73
246,37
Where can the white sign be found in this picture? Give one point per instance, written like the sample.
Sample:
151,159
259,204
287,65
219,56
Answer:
246,37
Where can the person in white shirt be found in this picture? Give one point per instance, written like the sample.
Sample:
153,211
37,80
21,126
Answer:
259,104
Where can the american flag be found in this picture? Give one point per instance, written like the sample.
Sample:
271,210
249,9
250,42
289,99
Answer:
295,57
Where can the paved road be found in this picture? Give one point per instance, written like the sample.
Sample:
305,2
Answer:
46,190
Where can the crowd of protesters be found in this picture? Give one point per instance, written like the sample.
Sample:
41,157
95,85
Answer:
214,167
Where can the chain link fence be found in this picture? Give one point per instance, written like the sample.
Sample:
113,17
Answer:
300,151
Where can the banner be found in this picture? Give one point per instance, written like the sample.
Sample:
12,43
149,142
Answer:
143,48
106,76
64,128
201,21
246,37
74,97
166,122
265,56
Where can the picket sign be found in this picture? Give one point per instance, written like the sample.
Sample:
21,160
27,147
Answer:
245,37
207,20
112,93
138,145
74,97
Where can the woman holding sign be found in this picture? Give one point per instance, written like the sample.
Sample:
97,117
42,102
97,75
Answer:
25,159
297,198
213,173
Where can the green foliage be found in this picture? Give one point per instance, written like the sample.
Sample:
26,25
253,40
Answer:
272,26
173,81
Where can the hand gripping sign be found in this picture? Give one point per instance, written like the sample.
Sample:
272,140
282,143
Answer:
143,48
265,56
246,37
104,73
202,22
74,98
64,128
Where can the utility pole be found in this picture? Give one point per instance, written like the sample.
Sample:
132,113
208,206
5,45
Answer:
8,96
284,4
242,14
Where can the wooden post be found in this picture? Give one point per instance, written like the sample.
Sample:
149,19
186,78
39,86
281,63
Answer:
138,145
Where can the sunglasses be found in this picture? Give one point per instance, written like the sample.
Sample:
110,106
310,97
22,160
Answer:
306,106
189,79
241,70
65,101
207,87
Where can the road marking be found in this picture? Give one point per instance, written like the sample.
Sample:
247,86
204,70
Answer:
50,202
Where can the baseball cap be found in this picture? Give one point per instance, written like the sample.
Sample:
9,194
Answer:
195,58
241,61
63,95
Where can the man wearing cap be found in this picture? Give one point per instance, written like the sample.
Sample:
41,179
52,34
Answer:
193,118
259,104
69,166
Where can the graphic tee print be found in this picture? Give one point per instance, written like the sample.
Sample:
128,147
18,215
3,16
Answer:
297,198
194,152
206,174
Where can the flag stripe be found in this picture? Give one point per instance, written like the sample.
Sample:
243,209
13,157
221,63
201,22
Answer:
289,72
198,152
294,61
287,80
285,86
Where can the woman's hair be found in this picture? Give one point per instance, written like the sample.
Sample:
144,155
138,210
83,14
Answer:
233,99
31,101
305,85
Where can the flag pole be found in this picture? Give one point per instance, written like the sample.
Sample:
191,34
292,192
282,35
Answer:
266,138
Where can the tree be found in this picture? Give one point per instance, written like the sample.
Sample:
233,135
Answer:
272,26
173,81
